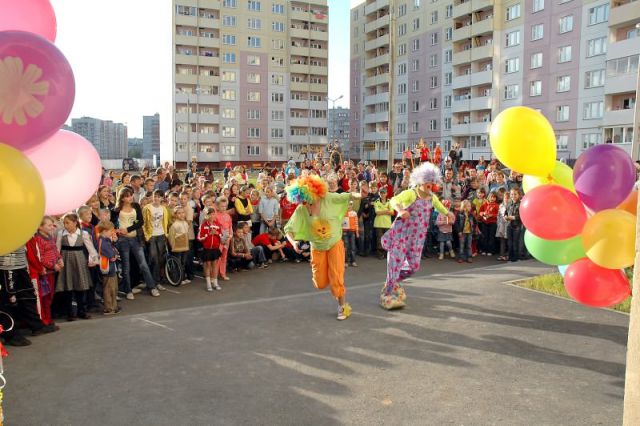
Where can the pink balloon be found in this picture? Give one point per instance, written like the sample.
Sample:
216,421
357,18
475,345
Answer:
552,212
37,89
70,168
33,16
594,285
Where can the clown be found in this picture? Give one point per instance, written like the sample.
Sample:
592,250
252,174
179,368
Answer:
318,219
405,239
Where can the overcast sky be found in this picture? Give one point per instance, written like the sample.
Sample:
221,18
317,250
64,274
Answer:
120,52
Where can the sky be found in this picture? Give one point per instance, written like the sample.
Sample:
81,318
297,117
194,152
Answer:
120,53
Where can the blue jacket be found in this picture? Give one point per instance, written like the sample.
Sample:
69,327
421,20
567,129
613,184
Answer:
107,249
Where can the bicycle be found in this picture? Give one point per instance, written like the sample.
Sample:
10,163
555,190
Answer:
172,268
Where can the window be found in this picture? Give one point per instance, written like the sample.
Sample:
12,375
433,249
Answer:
415,106
536,60
415,86
253,151
448,76
535,88
278,8
228,150
402,69
277,151
402,128
433,103
512,65
228,39
449,11
433,81
253,60
402,29
402,89
433,61
254,23
415,127
402,10
229,113
277,133
434,39
566,24
230,3
253,132
537,32
228,20
591,139
402,108
277,79
416,24
253,96
447,123
447,101
538,5
277,97
513,12
277,115
511,91
434,17
277,44
594,79
402,49
562,113
415,65
593,110
622,66
277,26
433,125
229,76
448,56
253,5
228,132
228,94
513,38
597,46
563,83
415,45
448,34
564,54
598,14
562,142
253,41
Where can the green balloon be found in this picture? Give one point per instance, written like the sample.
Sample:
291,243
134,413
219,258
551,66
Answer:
560,252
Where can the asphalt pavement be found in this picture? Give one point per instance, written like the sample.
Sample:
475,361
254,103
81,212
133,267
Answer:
469,349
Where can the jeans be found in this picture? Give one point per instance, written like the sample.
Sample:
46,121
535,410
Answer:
157,248
349,239
379,233
366,239
488,237
465,246
258,255
182,258
442,245
513,239
128,246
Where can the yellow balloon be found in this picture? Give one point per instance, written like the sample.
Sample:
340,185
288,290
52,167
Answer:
524,141
21,199
561,175
609,238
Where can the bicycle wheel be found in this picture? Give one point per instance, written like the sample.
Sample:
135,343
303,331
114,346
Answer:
173,270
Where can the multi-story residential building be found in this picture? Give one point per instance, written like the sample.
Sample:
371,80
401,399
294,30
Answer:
151,136
250,79
456,64
135,148
338,130
109,138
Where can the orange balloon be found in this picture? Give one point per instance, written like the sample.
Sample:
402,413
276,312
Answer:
631,203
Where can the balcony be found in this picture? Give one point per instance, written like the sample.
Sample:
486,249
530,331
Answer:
296,86
209,42
209,23
378,23
186,59
376,117
620,117
209,80
299,104
462,57
318,53
299,69
461,105
372,7
186,79
206,157
480,103
479,128
482,52
318,70
377,61
376,99
482,77
462,33
309,34
208,118
185,40
460,130
625,14
318,88
462,9
198,137
623,48
299,122
187,20
461,81
482,27
376,136
481,4
300,51
376,80
383,40
209,61
299,139
621,83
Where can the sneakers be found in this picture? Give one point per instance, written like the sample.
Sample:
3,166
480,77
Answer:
155,292
130,296
217,286
209,288
141,286
297,260
284,259
489,254
161,287
264,265
46,329
452,253
185,282
354,264
135,290
270,261
344,311
225,278
118,298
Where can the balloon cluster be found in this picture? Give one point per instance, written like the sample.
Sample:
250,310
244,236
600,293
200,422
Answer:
581,220
43,170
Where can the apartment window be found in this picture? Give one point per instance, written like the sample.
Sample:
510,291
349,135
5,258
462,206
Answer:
513,12
433,61
278,8
402,29
598,14
433,125
402,69
562,113
433,81
415,106
228,94
449,11
448,33
593,110
228,150
513,38
253,5
566,24
253,132
415,86
277,133
277,79
415,65
253,114
277,26
253,41
622,66
564,54
511,91
277,97
416,24
448,76
402,49
228,132
537,32
591,139
538,5
228,39
415,45
433,103
448,56
277,115
535,88
447,101
254,23
228,20
253,151
230,3
434,17
594,79
253,60
415,127
253,96
229,58
402,108
434,39
596,46
563,83
402,89
536,60
562,142
402,10
229,76
512,65
447,123
229,113
277,44
186,10
402,128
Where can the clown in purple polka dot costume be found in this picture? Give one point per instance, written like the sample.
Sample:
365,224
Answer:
405,238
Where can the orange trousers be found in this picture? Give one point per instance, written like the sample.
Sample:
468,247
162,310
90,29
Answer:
327,267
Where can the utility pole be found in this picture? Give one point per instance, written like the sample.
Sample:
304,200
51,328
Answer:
392,84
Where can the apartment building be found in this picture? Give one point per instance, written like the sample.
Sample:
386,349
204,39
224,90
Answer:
250,79
339,127
456,64
151,136
109,138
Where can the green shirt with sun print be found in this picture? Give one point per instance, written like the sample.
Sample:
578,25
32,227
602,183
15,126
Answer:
322,231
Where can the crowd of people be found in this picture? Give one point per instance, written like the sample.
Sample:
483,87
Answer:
115,246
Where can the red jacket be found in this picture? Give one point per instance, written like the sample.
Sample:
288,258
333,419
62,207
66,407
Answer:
42,255
490,210
209,234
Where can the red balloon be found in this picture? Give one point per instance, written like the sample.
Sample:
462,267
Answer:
594,285
552,212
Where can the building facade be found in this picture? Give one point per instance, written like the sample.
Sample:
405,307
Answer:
456,64
339,128
109,138
151,136
250,79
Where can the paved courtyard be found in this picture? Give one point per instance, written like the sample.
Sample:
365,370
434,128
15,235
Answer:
267,350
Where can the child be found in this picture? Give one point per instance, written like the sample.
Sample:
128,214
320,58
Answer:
349,234
255,216
224,219
209,236
257,252
445,230
269,210
271,244
44,261
466,224
75,279
156,221
108,255
243,205
186,205
382,221
487,221
241,257
514,224
179,239
501,229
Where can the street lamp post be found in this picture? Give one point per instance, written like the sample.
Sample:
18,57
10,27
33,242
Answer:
333,107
